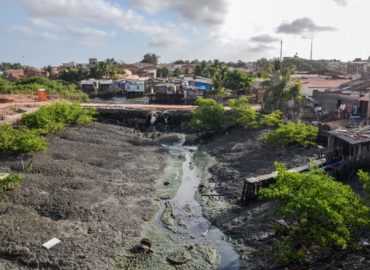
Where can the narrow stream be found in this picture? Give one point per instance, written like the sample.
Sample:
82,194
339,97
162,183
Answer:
187,211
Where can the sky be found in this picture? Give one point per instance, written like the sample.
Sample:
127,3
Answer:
51,32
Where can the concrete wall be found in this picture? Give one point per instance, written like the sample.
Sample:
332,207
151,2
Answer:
141,118
328,101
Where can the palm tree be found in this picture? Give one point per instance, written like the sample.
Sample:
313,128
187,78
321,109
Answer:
279,86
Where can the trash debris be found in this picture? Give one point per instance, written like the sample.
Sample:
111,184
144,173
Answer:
51,243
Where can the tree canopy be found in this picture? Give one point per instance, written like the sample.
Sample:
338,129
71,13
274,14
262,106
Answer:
320,211
281,87
150,58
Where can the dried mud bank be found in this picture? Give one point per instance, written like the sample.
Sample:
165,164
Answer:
93,189
251,227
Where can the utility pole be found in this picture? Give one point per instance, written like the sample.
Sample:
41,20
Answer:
281,49
311,55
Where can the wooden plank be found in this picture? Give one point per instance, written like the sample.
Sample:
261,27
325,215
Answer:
274,174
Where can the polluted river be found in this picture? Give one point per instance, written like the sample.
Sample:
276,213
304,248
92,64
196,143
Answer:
181,237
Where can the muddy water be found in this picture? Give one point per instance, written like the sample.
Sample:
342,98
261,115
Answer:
189,223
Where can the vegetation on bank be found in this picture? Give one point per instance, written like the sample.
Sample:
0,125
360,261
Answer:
365,179
211,115
292,133
50,118
11,182
320,213
21,140
54,88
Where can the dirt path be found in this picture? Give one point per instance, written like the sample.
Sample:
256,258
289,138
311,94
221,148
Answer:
93,189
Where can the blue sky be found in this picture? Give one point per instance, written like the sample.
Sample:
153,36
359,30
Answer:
42,32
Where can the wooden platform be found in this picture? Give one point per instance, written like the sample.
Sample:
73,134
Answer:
252,185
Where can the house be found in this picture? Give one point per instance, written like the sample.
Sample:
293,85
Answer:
69,64
93,61
201,82
345,98
319,83
32,72
187,69
337,66
98,87
132,77
149,72
166,88
191,93
106,87
120,85
359,68
90,86
350,147
135,86
15,74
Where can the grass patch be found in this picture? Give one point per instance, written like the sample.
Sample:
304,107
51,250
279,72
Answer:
11,182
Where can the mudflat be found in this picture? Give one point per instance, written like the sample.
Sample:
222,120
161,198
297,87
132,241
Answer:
251,227
93,189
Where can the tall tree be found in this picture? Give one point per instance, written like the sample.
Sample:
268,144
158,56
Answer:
177,72
150,58
235,80
163,72
281,87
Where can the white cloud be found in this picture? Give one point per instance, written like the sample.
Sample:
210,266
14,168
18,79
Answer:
341,2
42,23
101,12
264,39
88,36
302,26
89,32
209,12
28,32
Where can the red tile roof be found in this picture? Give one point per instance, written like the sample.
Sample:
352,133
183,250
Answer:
323,83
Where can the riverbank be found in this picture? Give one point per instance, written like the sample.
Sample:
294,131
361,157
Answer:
94,189
251,227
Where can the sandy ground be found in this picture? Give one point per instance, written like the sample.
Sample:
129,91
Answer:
251,227
13,106
93,189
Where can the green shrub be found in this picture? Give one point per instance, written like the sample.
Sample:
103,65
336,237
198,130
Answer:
292,133
365,179
321,211
273,119
51,118
45,120
241,113
20,140
11,182
209,115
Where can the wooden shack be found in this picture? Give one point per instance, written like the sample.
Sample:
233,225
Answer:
352,146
